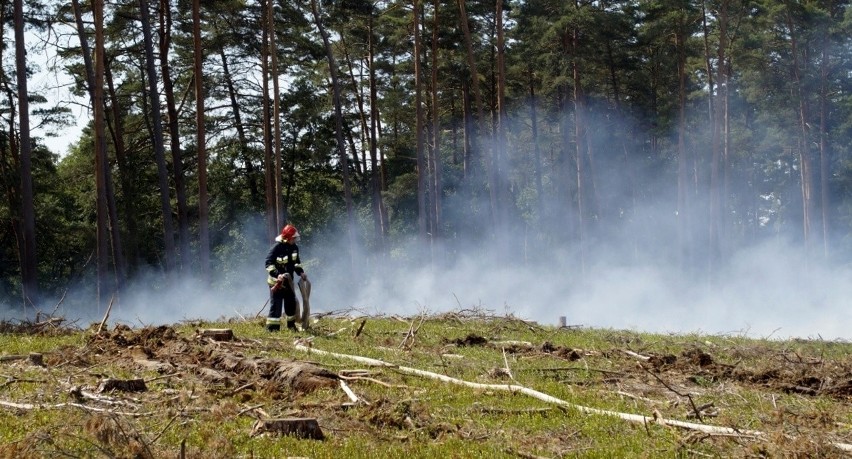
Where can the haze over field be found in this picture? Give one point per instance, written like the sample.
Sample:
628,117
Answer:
764,292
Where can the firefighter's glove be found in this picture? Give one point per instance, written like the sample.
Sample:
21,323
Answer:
304,276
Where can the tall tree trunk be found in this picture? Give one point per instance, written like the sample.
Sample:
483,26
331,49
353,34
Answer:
357,91
580,144
10,167
539,187
29,275
201,140
338,118
824,153
174,132
473,137
500,168
157,134
269,164
115,233
418,129
468,130
806,162
379,211
126,175
630,176
707,62
454,132
353,149
100,150
683,210
717,194
254,192
280,206
725,136
436,134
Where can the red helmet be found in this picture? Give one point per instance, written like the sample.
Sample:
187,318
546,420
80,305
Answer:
289,232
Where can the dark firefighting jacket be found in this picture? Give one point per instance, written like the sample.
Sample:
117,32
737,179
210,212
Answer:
283,258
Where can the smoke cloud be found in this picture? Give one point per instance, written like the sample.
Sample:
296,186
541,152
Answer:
766,291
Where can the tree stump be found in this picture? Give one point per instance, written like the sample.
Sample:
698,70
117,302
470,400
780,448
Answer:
307,428
218,334
36,359
123,385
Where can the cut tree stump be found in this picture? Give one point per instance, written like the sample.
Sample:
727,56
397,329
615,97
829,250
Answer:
307,428
218,334
123,385
36,359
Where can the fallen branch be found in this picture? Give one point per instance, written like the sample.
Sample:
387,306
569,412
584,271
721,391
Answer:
695,410
79,394
249,409
513,388
361,328
13,379
372,380
506,362
155,378
337,332
452,356
106,316
353,373
408,340
351,394
637,356
55,308
31,407
241,388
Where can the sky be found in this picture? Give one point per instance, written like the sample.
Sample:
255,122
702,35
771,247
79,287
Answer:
54,86
48,84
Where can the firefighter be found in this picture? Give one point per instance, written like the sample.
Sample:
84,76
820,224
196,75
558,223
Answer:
282,263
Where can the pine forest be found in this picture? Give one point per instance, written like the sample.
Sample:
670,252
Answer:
522,136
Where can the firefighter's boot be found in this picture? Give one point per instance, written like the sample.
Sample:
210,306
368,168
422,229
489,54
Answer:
273,324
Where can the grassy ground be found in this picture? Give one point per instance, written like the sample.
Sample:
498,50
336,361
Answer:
204,397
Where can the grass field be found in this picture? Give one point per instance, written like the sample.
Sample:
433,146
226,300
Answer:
460,384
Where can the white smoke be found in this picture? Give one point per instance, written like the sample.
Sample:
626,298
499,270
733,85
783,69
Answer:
766,291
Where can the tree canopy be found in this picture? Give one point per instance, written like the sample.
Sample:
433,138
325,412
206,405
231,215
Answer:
678,131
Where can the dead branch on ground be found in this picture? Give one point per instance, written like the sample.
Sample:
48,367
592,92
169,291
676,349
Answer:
513,388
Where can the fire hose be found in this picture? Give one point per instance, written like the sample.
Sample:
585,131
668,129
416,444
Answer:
304,290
